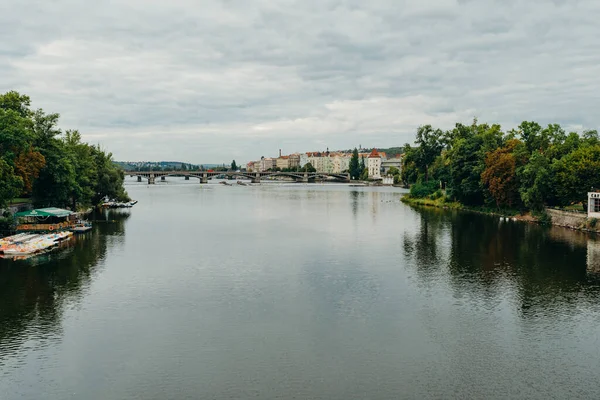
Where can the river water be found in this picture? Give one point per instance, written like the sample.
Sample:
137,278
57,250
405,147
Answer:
301,291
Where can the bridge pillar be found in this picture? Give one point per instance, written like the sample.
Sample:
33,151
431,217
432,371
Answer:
204,178
139,178
305,178
151,181
348,177
256,178
187,177
162,178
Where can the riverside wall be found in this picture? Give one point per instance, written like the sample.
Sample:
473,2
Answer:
571,220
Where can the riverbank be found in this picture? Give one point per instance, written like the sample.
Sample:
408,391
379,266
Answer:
565,219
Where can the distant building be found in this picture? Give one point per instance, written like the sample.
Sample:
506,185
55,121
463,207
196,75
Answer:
374,165
267,164
303,159
283,162
395,162
294,160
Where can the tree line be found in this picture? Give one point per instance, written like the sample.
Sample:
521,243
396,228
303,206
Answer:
50,167
526,168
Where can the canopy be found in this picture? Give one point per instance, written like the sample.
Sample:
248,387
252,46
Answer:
45,212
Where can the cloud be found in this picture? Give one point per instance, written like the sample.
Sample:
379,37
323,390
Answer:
208,81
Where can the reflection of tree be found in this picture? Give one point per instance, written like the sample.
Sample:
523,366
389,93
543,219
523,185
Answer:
424,247
486,255
33,291
355,198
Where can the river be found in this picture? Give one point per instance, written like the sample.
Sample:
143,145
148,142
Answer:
284,291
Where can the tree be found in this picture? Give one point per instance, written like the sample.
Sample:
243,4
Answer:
234,166
354,167
183,167
11,183
576,174
466,159
500,176
536,181
309,168
28,165
362,163
394,171
364,175
430,144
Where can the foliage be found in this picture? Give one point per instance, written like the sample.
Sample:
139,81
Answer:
500,176
6,223
576,174
543,217
423,189
429,142
11,184
309,168
234,166
354,167
592,222
394,171
528,167
55,169
364,175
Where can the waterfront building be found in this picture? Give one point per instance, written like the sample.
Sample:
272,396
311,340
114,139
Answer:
341,163
294,160
388,163
303,159
594,205
283,162
374,165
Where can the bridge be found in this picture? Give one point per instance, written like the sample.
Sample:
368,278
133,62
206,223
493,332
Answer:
255,177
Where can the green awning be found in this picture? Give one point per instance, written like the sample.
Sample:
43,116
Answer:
45,212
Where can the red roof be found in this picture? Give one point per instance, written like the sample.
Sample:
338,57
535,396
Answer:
374,154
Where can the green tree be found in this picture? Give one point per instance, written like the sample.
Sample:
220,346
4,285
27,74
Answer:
309,168
466,160
430,144
11,183
234,166
364,175
394,171
354,167
536,181
576,174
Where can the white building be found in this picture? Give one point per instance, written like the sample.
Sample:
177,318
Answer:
374,165
303,159
593,205
395,162
341,163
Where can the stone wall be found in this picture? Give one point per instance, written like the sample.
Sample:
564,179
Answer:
569,219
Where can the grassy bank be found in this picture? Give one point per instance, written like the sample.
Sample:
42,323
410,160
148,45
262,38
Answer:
19,200
442,202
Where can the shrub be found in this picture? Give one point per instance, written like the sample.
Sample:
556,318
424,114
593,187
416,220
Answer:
6,223
592,222
543,217
421,190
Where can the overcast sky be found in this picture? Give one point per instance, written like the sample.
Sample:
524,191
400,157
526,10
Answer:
212,80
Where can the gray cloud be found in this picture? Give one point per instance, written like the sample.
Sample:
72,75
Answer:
208,81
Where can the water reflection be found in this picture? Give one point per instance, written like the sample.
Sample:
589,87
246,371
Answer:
33,291
482,256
